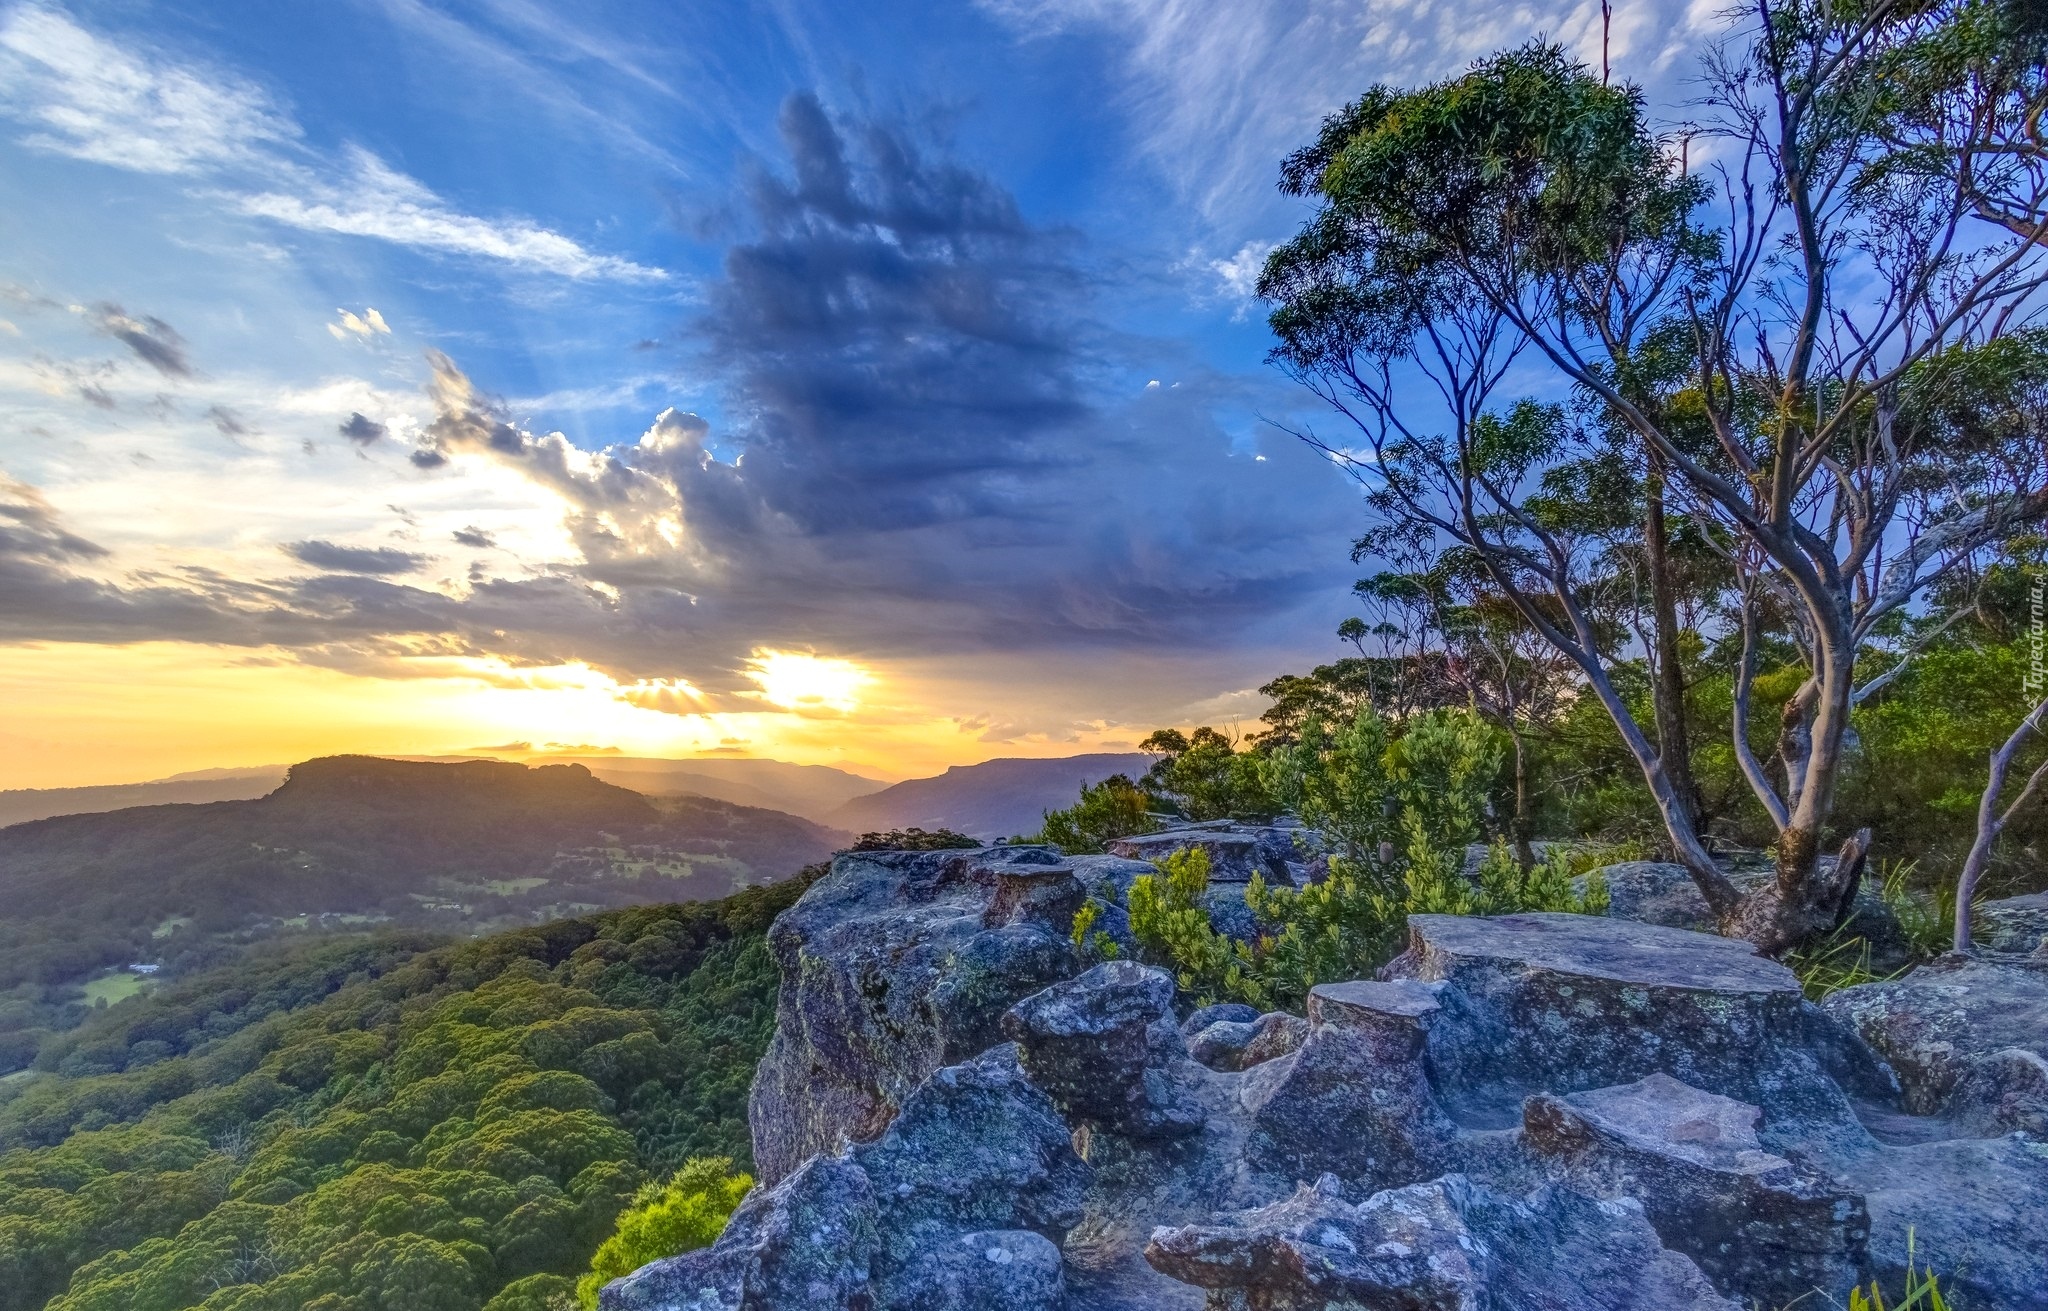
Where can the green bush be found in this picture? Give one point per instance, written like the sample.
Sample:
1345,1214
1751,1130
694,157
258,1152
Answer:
1114,808
682,1215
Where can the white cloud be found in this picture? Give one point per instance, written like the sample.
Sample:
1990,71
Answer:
369,324
87,97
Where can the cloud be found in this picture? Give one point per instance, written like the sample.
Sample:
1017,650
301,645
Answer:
87,97
362,429
475,537
356,559
153,341
229,423
30,530
370,324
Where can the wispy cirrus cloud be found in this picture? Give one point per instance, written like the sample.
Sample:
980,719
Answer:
86,96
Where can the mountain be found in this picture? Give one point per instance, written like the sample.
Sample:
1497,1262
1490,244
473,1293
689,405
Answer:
995,799
812,791
19,805
349,840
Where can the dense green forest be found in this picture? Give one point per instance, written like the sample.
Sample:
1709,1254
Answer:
350,841
382,1123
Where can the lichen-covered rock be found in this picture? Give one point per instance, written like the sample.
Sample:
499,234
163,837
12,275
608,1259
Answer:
1222,1012
1017,1270
1239,1045
1935,1024
1565,1003
977,1155
1355,1100
894,965
806,1244
1764,1230
1657,892
1236,852
1970,1208
1104,1047
1449,1245
2012,924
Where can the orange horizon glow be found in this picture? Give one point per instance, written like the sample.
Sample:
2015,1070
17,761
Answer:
82,715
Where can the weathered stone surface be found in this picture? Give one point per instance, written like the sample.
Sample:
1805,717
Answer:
2013,924
1971,1208
1355,1100
1762,1229
1937,1023
895,965
979,1271
805,1245
1233,1046
1657,892
1234,1012
1104,1047
2003,1092
1564,1003
977,1153
1236,852
1449,1245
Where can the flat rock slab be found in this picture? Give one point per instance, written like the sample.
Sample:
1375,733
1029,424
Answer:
1936,1024
2014,924
1618,951
1661,1115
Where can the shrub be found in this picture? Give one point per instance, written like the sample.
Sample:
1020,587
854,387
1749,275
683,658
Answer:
682,1215
1114,808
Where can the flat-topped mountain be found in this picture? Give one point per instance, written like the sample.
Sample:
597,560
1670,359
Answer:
359,839
995,799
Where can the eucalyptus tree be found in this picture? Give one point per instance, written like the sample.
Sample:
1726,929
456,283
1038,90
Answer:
1820,281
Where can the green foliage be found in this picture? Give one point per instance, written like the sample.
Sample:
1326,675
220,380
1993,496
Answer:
1344,927
446,1129
1204,775
1921,1293
915,839
1114,808
682,1215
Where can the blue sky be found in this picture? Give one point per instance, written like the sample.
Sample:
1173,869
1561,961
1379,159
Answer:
907,344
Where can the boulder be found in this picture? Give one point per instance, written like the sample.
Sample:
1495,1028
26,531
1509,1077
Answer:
1762,1229
895,965
1657,892
1937,1024
1236,852
1355,1100
977,1162
1448,1245
1234,1012
1565,1003
2013,924
1239,1045
1104,1046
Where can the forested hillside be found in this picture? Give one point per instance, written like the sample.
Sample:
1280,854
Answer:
354,840
367,1126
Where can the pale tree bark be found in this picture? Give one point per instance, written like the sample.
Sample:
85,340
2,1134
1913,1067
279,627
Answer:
1991,821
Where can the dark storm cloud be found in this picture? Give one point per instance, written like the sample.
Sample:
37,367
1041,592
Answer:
355,559
153,341
363,430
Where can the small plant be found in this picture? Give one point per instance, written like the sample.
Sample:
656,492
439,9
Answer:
1922,1291
1114,808
1091,942
682,1215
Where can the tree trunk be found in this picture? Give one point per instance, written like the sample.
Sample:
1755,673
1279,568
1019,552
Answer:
1669,682
1524,825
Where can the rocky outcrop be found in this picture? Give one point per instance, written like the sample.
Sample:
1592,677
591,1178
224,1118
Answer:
1535,1111
1656,892
2012,925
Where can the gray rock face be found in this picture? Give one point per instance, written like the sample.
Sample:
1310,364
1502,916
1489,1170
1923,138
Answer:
2014,924
1236,851
1105,1047
1452,1245
1761,1228
1533,1112
978,1162
1656,892
895,965
1939,1023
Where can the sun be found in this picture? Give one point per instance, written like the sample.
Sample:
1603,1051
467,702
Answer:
797,681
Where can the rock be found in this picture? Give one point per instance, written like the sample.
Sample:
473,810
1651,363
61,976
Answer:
1233,1046
1566,1003
2013,924
1657,892
895,965
1970,1209
977,1156
1937,1023
1450,1245
1763,1230
977,1271
1103,1046
2004,1092
1234,1012
804,1245
1235,852
1355,1100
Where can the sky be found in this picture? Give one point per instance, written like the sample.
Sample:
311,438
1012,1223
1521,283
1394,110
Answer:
869,385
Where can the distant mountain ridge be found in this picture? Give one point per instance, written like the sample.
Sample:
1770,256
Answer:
20,805
464,845
995,799
812,791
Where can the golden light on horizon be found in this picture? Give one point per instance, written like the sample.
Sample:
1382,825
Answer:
795,680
